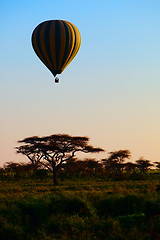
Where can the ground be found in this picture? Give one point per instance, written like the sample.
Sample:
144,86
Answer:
80,209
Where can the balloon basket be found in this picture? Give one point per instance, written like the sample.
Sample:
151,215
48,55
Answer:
56,80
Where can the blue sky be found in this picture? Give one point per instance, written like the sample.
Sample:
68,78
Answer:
109,92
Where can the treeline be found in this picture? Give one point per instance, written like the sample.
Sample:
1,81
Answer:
115,166
108,168
15,171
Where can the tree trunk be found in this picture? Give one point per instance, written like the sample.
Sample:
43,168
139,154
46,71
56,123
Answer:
55,182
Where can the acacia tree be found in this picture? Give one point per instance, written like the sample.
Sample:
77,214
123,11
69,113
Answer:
114,163
87,167
54,150
130,167
120,155
143,165
19,170
157,165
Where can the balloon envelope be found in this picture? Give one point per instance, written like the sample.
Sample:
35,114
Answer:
56,42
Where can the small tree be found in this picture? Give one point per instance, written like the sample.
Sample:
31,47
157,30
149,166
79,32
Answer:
93,167
114,163
130,167
143,165
110,166
120,155
21,170
87,167
54,150
157,165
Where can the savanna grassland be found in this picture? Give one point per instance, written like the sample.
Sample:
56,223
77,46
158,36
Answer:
95,209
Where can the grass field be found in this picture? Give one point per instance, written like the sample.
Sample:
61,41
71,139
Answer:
80,210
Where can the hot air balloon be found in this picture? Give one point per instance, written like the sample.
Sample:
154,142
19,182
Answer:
56,43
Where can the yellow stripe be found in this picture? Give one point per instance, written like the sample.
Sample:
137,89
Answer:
78,40
78,43
71,44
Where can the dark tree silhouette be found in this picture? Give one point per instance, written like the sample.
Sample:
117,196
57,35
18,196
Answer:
130,167
54,150
93,167
120,155
157,165
143,165
22,170
110,165
114,163
87,167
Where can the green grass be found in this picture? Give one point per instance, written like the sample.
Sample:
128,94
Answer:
83,210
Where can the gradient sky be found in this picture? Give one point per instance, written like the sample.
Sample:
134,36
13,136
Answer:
111,90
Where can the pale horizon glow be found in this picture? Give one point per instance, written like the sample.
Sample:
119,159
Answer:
110,92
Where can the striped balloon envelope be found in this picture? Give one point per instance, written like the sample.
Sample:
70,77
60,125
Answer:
56,43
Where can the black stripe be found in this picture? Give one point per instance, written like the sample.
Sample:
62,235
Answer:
73,46
47,43
57,42
37,38
67,44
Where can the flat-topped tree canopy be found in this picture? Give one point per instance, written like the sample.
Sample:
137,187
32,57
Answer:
54,150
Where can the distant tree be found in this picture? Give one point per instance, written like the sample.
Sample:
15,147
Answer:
143,165
21,170
2,174
120,155
11,166
130,167
157,165
114,163
87,167
93,167
54,150
12,169
110,166
69,168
